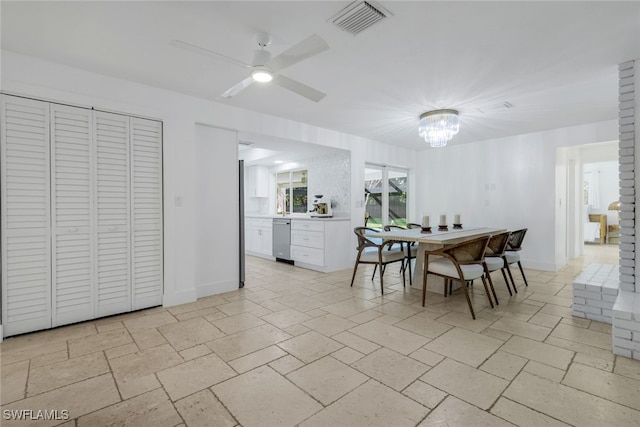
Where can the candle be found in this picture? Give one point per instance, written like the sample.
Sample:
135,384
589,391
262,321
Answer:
425,221
457,219
443,220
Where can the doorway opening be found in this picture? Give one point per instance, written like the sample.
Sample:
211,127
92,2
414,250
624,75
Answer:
592,208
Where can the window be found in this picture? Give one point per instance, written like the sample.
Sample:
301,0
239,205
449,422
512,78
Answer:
385,196
291,191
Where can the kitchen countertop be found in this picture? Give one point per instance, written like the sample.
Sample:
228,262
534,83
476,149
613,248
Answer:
300,217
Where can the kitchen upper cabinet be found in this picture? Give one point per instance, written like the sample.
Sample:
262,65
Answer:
257,184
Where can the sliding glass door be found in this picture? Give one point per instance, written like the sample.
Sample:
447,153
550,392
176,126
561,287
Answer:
385,195
397,191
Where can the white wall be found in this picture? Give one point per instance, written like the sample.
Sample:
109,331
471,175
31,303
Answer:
561,206
507,182
28,76
216,211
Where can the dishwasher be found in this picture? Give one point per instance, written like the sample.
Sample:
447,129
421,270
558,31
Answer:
282,240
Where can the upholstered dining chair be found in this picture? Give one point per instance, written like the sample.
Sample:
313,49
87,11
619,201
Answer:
411,250
413,247
511,255
373,250
494,258
462,262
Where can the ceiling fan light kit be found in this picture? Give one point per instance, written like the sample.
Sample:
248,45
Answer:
438,127
265,68
262,75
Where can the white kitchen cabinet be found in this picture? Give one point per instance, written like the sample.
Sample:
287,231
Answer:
257,183
259,236
321,244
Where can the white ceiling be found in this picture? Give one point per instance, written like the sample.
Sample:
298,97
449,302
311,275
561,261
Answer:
556,62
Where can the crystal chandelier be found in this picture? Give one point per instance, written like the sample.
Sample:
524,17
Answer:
438,127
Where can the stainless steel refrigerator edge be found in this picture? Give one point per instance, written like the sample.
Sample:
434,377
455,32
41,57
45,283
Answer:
241,221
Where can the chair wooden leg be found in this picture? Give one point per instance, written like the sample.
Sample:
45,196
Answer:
466,294
355,268
375,267
446,285
493,290
404,276
486,289
410,273
513,283
381,271
506,281
522,271
450,287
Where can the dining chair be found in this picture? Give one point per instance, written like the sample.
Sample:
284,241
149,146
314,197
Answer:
511,255
494,258
374,250
414,249
462,262
411,251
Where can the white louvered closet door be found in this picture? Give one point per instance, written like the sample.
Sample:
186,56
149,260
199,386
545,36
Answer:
72,214
113,268
25,219
146,213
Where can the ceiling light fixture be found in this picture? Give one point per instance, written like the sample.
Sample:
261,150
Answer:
262,75
438,127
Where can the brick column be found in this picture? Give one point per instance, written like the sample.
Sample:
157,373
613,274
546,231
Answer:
626,310
627,122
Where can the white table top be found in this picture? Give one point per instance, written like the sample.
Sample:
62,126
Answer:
436,237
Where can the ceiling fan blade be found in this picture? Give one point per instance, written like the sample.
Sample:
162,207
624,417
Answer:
197,49
307,48
235,89
299,88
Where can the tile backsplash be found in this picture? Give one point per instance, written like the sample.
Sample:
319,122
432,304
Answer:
329,175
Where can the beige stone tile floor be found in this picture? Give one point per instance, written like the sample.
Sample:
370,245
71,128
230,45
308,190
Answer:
297,347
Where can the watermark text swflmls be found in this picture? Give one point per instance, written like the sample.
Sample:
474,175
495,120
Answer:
35,415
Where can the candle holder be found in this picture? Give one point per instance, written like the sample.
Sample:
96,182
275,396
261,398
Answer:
443,228
426,229
457,226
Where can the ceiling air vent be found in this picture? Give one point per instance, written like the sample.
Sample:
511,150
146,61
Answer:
359,16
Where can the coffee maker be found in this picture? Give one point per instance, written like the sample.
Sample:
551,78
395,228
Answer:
321,207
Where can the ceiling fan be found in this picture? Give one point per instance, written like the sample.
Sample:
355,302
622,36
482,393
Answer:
265,68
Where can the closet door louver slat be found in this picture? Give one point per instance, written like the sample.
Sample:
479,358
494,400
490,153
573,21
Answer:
146,185
72,214
25,215
113,213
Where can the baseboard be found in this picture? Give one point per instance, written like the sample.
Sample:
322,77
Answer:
539,265
206,289
182,297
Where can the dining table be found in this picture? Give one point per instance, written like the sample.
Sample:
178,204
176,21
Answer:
435,239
